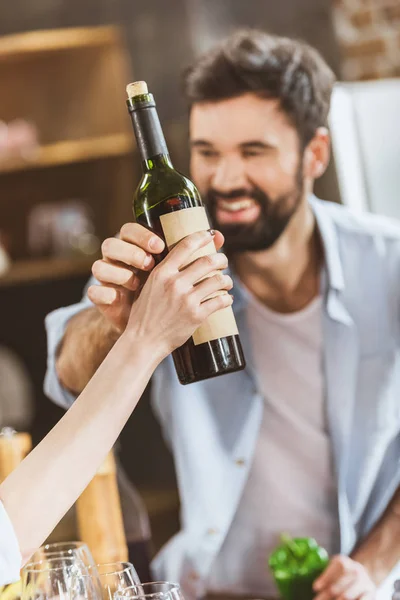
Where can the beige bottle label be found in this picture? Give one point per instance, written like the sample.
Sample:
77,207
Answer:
176,226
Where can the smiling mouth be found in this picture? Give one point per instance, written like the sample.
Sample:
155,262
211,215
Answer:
236,205
240,210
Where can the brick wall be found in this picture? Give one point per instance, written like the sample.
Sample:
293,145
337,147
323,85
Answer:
369,35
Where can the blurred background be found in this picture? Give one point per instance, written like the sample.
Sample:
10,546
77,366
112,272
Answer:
67,176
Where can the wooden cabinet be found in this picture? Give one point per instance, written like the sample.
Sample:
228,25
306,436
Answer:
70,84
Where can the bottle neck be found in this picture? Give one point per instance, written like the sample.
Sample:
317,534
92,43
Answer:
161,161
148,132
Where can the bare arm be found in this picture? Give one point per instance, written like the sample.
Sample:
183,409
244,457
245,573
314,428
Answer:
171,306
91,334
357,576
380,550
49,480
88,339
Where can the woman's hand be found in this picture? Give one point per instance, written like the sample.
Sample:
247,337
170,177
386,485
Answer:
175,300
122,270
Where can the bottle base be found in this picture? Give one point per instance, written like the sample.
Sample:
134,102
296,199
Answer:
211,359
212,376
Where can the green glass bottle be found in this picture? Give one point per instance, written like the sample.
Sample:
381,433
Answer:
169,204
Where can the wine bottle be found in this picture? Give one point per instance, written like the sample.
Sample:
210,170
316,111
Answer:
169,204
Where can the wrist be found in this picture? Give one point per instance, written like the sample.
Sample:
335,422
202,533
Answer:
150,349
380,551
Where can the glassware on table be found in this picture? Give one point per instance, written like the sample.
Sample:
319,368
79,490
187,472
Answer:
64,549
156,590
114,577
59,578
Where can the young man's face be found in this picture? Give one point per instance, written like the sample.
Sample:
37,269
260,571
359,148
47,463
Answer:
247,164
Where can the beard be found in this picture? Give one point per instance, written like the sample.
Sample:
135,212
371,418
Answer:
275,215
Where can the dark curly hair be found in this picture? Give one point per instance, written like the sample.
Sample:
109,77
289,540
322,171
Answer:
270,66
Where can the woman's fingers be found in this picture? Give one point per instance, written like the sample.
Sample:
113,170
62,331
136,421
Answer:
204,267
211,306
214,285
183,252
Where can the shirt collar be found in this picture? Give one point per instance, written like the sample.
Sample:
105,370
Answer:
333,263
330,242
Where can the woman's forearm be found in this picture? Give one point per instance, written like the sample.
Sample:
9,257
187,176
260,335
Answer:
40,491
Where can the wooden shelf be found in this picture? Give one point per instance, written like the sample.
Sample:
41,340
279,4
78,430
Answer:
72,151
31,271
40,42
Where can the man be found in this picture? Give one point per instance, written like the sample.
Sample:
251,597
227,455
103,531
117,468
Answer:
307,439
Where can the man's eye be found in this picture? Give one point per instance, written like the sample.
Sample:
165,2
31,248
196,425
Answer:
207,153
251,153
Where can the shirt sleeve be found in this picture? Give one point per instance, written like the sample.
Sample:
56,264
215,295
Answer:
10,555
56,323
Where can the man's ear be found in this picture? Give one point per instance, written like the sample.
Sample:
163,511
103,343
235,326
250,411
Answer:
317,154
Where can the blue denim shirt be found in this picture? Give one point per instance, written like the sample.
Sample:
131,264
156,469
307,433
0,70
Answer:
212,426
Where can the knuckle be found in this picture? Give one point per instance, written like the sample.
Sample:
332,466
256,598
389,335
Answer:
219,278
343,564
194,310
223,259
106,246
97,267
190,303
188,243
221,301
159,274
91,292
209,260
136,256
177,287
126,230
229,282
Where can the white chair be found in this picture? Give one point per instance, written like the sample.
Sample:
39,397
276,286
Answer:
365,127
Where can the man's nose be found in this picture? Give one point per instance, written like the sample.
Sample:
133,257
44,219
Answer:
229,175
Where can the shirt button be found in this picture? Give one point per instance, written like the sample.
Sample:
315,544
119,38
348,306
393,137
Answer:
240,462
194,576
212,531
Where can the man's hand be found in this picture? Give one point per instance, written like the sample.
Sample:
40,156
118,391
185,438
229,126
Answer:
344,579
123,270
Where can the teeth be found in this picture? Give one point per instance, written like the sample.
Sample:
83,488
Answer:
236,205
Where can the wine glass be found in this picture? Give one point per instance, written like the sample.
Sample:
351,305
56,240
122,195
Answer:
114,577
59,578
156,590
64,549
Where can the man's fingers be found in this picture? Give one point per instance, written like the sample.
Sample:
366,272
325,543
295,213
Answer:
354,591
125,253
333,571
342,584
218,240
140,236
326,595
108,273
103,295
